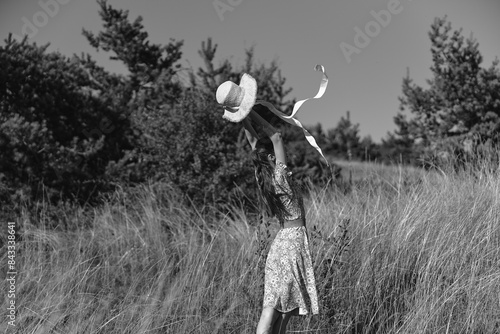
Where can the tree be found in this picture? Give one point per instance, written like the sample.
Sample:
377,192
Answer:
462,102
147,63
368,150
70,127
343,140
58,130
146,93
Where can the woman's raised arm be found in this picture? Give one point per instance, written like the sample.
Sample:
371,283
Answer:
250,132
279,147
273,134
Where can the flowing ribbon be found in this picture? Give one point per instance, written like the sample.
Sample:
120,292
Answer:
292,120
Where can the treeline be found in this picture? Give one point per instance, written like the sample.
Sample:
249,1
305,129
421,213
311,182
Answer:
455,118
72,131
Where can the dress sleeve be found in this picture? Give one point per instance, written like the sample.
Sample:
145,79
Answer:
281,175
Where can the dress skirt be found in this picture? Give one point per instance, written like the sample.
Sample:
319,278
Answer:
289,277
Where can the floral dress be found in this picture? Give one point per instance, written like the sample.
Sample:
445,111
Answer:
289,276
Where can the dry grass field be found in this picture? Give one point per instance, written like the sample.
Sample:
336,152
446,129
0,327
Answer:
403,251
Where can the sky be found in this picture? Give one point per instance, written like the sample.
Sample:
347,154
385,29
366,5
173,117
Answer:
366,46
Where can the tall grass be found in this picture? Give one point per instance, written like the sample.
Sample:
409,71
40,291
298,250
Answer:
401,252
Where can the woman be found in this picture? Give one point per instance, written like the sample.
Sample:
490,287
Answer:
289,287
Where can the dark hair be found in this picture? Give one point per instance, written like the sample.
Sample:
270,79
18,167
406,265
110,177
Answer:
264,173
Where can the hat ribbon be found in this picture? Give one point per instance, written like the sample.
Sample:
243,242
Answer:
292,120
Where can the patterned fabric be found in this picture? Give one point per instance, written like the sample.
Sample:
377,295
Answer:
293,204
289,275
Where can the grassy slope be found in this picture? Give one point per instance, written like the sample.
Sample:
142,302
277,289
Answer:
402,252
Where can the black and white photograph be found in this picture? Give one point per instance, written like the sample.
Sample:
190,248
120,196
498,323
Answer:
250,166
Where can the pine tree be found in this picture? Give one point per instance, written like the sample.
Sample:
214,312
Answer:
149,65
344,139
462,102
58,133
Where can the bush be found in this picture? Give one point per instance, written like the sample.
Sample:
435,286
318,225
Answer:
57,133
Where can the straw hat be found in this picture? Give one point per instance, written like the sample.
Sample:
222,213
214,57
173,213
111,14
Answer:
237,101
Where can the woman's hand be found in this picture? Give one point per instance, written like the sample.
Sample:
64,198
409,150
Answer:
267,128
276,136
273,134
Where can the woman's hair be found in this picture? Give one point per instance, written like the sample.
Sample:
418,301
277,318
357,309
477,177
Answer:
264,173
